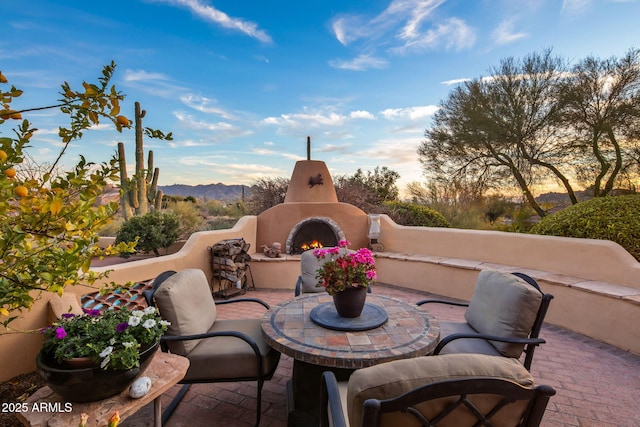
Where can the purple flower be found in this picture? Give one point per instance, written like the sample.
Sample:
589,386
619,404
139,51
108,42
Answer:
68,315
121,327
60,332
92,312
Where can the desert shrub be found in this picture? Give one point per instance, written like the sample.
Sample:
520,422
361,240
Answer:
605,218
409,214
154,230
189,218
111,229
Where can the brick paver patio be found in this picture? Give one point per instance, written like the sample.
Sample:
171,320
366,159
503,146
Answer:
596,384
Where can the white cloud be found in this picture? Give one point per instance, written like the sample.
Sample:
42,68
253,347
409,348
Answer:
409,113
575,6
360,63
455,81
504,34
452,34
405,26
142,75
315,119
266,152
361,115
222,130
202,104
211,14
157,84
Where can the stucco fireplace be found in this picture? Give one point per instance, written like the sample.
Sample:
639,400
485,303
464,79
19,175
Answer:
311,212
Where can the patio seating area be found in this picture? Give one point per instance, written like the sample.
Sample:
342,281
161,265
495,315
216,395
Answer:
597,384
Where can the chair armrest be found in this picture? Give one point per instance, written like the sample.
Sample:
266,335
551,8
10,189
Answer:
239,335
256,300
446,340
438,301
330,399
298,289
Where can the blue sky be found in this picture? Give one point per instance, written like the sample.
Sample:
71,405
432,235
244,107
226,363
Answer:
241,84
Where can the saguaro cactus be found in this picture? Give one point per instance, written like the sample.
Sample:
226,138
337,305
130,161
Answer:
141,191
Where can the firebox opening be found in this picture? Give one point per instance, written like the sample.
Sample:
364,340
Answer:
313,233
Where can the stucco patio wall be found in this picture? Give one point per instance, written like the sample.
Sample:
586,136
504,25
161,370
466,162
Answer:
596,284
18,351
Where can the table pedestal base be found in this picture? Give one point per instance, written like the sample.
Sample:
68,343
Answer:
303,392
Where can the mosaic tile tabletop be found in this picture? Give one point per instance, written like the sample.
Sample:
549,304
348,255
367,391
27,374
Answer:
409,332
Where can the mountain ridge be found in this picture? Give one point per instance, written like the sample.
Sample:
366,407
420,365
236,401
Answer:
218,191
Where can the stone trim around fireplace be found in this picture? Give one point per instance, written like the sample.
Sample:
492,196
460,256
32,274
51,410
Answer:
331,223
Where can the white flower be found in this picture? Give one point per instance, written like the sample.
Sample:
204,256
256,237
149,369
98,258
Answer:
134,320
165,323
128,344
138,313
149,323
107,351
149,310
105,362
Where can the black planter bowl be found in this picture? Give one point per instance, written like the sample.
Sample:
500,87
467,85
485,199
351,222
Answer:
89,384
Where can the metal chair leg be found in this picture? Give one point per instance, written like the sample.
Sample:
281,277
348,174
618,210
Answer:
174,403
259,403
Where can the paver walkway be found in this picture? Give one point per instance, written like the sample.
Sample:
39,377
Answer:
596,384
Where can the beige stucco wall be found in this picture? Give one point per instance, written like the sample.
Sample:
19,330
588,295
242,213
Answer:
595,283
590,259
18,350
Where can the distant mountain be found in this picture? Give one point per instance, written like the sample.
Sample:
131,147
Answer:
219,191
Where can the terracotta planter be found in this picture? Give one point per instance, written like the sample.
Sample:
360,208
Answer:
89,384
350,302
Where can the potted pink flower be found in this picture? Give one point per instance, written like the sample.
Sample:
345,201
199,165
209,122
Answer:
346,275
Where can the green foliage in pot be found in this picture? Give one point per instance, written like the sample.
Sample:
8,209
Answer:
152,231
612,218
112,339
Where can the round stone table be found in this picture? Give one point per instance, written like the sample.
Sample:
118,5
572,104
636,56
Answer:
408,332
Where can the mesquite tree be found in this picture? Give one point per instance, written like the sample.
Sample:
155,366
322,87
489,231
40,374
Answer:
535,121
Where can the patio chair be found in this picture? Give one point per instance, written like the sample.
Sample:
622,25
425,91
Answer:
455,390
307,280
504,317
218,350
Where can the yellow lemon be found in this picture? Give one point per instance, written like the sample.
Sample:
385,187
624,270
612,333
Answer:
10,173
21,191
122,120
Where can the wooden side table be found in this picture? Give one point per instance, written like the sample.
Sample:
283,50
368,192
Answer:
165,370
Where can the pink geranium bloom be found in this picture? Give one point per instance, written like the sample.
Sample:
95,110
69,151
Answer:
341,269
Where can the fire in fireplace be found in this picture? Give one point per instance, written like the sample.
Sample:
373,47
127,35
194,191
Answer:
313,233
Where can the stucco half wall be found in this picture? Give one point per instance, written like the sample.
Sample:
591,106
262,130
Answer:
596,283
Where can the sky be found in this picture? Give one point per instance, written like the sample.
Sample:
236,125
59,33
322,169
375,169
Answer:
242,84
